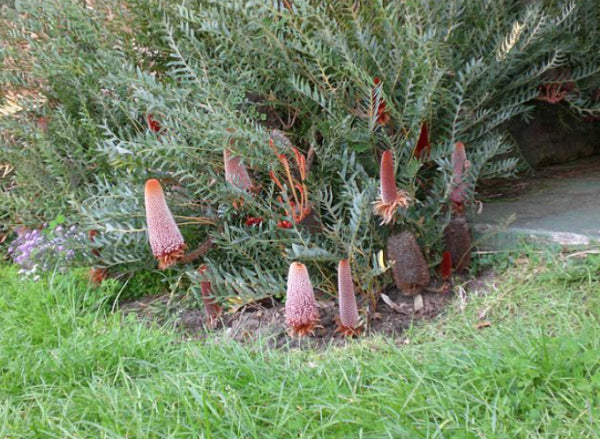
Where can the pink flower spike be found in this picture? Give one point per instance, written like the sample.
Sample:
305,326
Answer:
236,173
390,197
459,165
301,313
165,238
348,323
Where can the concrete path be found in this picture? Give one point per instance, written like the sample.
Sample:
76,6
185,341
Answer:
560,206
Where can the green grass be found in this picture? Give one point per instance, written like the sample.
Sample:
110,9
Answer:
68,369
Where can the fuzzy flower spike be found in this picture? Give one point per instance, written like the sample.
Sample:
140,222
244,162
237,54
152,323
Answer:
390,198
301,313
165,238
348,323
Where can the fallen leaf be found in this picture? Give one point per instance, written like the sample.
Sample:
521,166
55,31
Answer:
485,324
483,313
393,305
418,304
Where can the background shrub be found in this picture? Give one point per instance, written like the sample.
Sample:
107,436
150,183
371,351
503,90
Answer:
216,75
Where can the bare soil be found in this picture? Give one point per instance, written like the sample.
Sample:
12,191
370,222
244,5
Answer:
265,319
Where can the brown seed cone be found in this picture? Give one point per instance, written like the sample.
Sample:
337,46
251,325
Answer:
409,268
457,240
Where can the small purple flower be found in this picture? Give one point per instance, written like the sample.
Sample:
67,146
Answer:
40,250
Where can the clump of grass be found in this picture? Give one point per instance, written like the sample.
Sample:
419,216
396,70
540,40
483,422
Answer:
70,369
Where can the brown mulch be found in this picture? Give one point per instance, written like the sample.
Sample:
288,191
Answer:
265,320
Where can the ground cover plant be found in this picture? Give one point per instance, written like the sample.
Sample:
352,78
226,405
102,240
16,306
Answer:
531,370
267,126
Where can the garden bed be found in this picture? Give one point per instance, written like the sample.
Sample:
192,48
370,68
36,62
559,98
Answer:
264,320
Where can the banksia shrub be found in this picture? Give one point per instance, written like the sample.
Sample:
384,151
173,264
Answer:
390,198
409,268
348,323
457,240
301,313
326,110
165,238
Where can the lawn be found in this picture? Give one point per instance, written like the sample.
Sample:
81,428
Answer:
72,369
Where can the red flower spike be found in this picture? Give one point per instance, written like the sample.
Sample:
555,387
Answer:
301,313
253,221
97,275
42,124
379,105
460,164
446,266
423,148
166,241
236,173
153,124
211,307
388,178
390,197
348,323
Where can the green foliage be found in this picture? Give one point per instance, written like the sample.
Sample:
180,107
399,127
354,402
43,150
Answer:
219,75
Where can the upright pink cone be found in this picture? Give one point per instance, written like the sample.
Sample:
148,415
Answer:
348,323
165,238
236,173
390,197
301,313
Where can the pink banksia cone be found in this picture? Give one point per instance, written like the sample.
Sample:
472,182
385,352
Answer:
166,241
348,321
236,173
211,307
460,165
390,198
301,313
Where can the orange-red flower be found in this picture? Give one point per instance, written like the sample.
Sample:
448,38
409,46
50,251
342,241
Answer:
301,313
253,221
165,238
283,224
390,197
153,124
97,275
